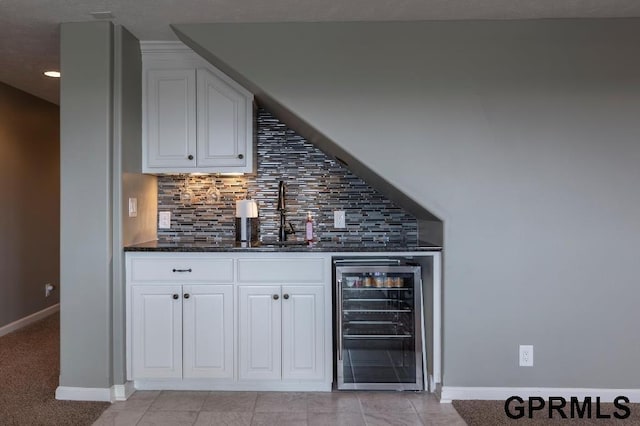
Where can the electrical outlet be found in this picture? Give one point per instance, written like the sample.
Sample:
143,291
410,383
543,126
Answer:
526,355
339,219
164,220
48,288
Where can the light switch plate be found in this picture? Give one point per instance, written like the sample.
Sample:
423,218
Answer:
339,219
133,207
164,220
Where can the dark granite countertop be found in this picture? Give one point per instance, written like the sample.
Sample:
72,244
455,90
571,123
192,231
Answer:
232,246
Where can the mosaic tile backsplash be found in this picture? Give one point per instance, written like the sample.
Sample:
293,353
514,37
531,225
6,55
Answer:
203,207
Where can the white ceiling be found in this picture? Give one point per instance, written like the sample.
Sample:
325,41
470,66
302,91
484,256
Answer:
29,29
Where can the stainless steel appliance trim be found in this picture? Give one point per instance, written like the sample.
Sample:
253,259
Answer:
377,336
382,386
377,288
367,267
339,310
367,261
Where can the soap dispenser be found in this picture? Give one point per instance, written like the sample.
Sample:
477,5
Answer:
308,237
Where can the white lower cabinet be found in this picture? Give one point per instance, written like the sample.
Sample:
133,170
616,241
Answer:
182,331
156,327
260,316
207,320
281,332
229,321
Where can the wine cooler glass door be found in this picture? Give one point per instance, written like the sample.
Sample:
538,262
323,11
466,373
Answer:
377,314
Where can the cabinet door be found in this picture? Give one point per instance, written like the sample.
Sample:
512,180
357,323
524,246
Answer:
156,332
208,331
302,332
259,332
170,118
224,125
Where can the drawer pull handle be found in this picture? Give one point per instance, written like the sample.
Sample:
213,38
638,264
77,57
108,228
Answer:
181,270
175,297
186,295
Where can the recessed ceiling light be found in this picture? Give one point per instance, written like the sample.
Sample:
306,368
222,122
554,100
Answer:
102,15
54,74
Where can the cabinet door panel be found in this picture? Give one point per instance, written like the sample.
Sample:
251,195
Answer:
208,331
259,332
170,121
302,332
223,138
156,332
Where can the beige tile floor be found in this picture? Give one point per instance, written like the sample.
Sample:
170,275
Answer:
177,408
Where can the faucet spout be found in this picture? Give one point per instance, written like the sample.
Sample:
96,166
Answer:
281,197
282,234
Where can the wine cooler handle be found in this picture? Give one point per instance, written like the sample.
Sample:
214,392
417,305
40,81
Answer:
339,315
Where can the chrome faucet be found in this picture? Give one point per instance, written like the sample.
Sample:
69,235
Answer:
283,231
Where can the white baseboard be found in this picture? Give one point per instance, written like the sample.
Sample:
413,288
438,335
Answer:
112,394
83,394
230,385
122,392
23,322
450,393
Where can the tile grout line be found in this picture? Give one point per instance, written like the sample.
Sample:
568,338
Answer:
146,410
364,418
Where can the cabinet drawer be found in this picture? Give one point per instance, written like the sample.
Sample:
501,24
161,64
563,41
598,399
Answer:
283,270
181,270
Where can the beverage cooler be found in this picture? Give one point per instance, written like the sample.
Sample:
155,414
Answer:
378,328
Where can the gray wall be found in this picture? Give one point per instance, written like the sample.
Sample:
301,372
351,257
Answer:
522,137
86,208
30,206
100,166
127,179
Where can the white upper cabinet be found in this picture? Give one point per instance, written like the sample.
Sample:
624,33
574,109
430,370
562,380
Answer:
194,117
225,124
170,119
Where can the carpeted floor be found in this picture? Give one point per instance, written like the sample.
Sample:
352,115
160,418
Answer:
492,413
29,371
